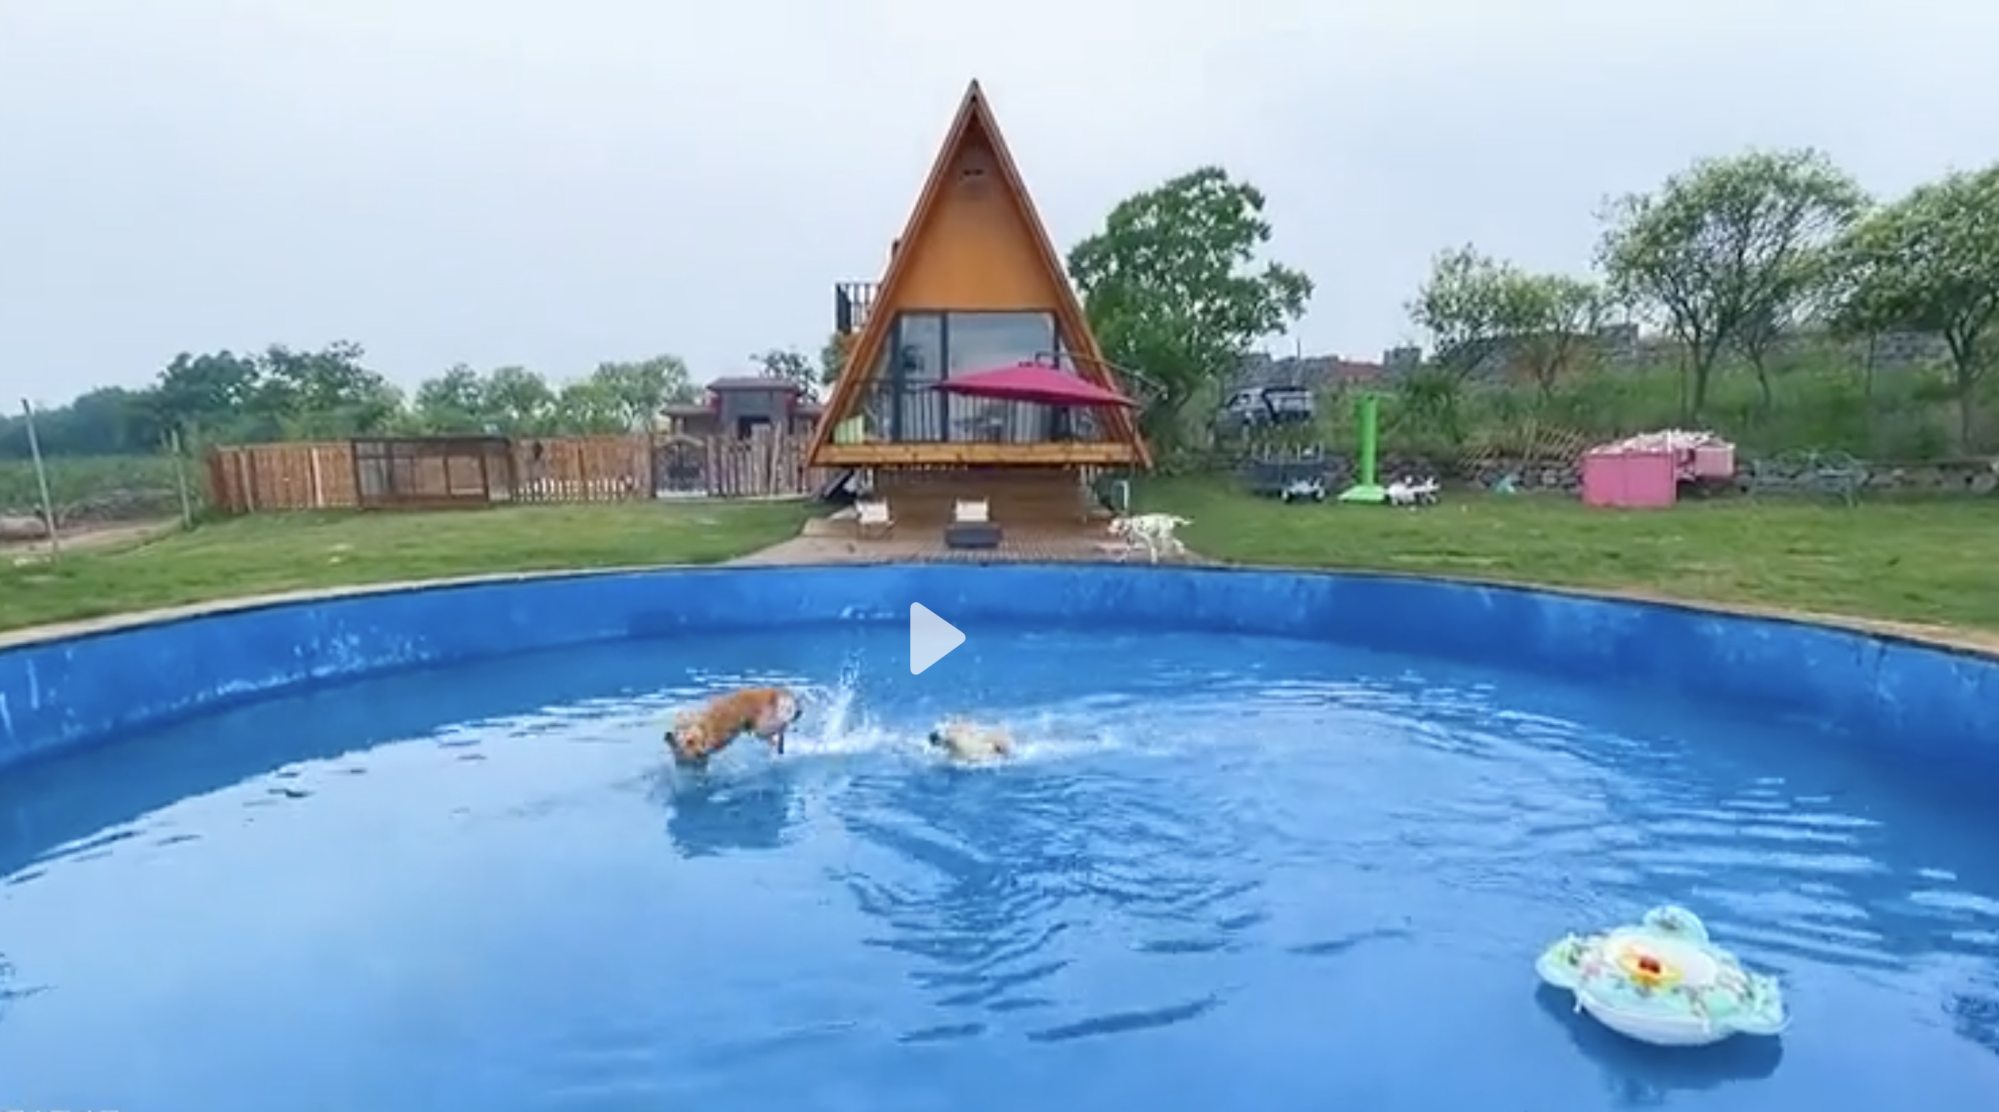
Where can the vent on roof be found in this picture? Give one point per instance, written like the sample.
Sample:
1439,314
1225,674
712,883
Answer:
972,179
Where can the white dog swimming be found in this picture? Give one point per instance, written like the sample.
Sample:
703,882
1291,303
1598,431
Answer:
1153,532
970,742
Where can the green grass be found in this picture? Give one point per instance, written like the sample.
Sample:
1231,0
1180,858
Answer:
74,479
283,552
1927,562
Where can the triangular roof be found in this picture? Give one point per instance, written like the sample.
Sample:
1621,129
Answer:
974,122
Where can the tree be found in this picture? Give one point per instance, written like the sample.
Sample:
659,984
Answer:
1475,308
455,401
108,421
1463,307
205,391
790,366
1557,317
1172,287
518,399
322,393
1718,245
642,389
833,357
1930,262
589,407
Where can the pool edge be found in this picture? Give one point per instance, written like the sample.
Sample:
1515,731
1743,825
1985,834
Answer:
1965,642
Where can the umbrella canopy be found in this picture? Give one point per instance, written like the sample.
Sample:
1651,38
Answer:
1033,382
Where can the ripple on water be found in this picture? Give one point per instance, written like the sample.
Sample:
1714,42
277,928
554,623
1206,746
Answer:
1214,859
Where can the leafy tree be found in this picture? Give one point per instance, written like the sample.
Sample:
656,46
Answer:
323,393
1930,261
518,399
1463,307
790,366
205,391
589,407
1173,289
1720,245
642,389
833,357
1475,308
1556,317
455,401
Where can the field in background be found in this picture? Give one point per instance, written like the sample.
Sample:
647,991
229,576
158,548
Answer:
1911,561
92,489
1816,403
283,552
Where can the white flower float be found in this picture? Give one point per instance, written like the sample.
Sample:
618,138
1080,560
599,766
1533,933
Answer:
1664,983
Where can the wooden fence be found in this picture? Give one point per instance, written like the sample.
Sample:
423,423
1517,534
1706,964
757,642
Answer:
583,469
256,478
260,478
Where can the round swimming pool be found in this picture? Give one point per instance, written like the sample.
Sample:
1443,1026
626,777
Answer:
1254,851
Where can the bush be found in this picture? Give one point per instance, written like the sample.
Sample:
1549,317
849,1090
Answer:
1818,403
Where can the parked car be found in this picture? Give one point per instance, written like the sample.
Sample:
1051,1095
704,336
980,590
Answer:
1264,406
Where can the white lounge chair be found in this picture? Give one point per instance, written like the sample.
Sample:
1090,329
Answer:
873,515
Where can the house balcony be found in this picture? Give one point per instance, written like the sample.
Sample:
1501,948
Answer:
852,302
915,425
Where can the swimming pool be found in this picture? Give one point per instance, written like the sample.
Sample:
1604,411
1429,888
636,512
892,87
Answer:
1272,840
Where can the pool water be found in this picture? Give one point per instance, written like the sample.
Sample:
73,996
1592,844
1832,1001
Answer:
1222,871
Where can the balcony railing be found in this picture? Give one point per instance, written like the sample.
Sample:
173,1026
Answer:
852,301
919,414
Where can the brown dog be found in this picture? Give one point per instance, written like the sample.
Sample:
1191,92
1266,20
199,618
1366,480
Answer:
701,732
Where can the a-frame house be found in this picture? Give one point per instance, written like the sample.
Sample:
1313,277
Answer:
973,284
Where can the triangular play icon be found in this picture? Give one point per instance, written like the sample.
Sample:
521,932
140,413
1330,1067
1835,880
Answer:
931,638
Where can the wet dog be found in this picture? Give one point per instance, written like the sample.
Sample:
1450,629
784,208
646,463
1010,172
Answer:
700,732
970,742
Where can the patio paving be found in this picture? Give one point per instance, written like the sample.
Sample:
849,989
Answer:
836,540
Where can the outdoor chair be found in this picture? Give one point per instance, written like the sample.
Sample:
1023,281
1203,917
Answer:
871,517
971,525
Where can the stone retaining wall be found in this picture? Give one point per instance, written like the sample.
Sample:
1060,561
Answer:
1975,477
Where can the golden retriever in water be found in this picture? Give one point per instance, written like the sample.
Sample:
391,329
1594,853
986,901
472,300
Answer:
700,732
971,742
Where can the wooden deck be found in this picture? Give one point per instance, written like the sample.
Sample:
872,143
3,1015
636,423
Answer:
835,540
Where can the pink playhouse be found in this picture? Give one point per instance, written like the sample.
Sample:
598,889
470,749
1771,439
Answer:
1647,470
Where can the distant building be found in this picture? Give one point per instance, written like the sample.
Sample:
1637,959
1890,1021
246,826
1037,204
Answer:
736,407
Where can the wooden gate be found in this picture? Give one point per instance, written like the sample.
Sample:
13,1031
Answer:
680,466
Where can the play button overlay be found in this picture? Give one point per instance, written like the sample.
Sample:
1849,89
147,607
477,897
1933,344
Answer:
931,638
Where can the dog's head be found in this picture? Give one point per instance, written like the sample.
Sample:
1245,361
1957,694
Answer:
687,736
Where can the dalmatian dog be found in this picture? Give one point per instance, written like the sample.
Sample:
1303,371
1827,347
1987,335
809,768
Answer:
1152,532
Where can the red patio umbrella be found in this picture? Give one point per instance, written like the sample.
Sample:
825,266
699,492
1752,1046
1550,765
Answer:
1033,382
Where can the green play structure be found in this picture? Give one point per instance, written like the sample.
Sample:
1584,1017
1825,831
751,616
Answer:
1368,489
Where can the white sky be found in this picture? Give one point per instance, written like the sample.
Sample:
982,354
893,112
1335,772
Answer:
554,184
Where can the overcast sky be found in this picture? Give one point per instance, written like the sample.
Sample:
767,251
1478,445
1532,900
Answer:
558,183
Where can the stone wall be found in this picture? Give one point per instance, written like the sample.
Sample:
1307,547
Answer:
1974,477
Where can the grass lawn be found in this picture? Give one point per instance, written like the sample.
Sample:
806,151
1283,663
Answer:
1934,562
282,552
1931,562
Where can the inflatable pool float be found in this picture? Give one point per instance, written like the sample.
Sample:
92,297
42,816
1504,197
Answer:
1664,983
